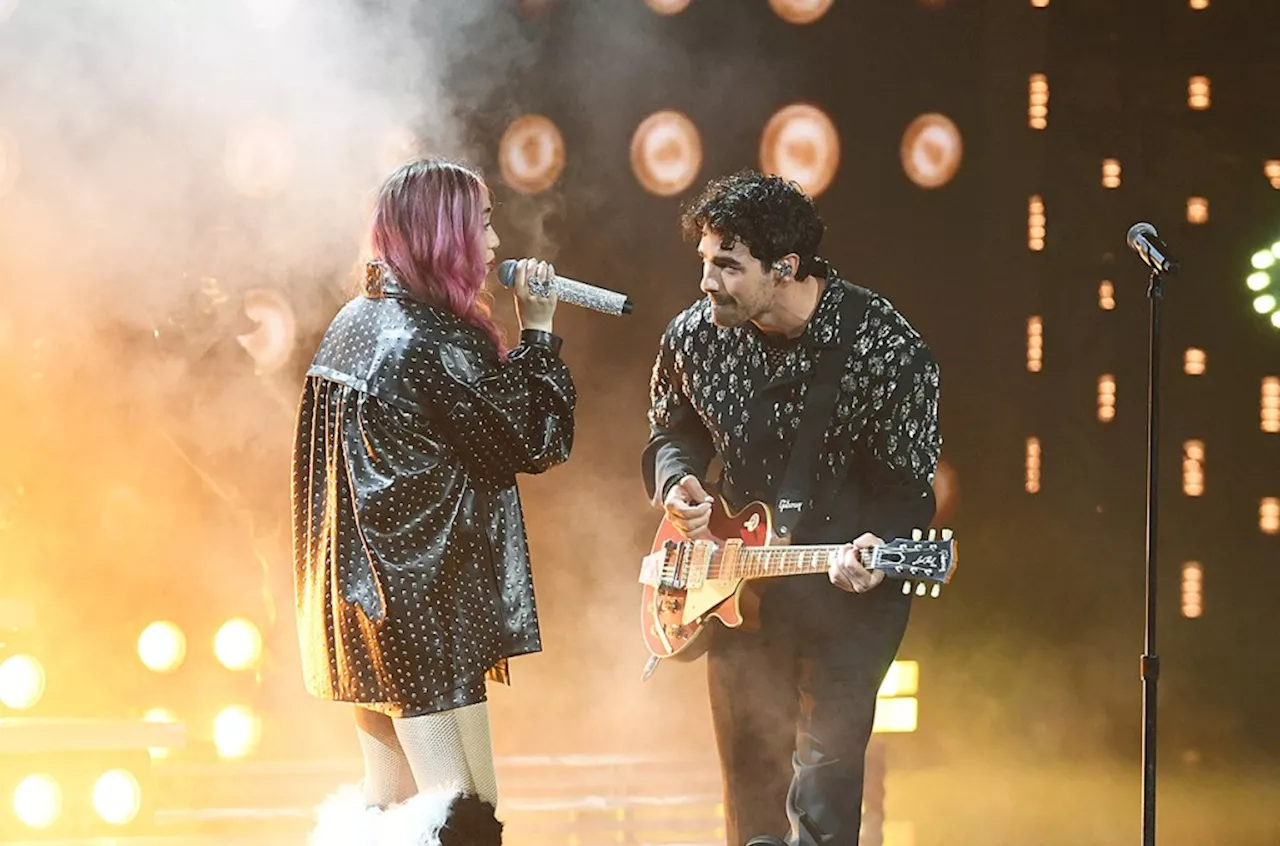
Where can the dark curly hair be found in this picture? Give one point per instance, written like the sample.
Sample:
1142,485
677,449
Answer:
772,216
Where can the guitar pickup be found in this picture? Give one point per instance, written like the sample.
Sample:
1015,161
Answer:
700,565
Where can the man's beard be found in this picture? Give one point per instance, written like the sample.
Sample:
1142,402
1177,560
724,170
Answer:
727,313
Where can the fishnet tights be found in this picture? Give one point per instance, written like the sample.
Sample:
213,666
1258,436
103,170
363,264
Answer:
447,750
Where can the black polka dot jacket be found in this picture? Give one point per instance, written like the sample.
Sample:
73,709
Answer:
411,559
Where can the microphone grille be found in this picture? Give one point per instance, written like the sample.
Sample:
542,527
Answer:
507,273
1140,228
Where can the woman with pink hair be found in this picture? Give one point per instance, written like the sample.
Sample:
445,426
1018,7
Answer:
412,565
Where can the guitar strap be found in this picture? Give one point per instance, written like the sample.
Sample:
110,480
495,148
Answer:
819,407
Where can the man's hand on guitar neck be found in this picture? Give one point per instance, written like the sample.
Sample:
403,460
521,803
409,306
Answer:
848,574
688,508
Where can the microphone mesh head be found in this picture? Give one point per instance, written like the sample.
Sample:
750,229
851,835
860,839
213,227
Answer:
507,273
1141,228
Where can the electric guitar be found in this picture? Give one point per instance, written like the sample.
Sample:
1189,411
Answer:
687,583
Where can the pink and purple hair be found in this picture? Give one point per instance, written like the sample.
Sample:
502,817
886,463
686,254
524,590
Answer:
428,226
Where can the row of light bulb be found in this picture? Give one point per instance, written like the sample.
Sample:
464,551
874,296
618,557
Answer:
162,646
237,730
116,797
1260,280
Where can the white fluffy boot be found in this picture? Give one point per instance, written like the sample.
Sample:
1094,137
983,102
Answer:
416,822
343,819
442,818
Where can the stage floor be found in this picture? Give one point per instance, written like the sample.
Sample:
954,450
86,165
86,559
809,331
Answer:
603,801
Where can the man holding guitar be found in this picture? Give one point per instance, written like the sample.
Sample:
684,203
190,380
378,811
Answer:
820,400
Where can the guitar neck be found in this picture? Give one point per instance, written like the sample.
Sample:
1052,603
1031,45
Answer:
769,561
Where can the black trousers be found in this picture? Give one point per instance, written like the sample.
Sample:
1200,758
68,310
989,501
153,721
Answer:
793,704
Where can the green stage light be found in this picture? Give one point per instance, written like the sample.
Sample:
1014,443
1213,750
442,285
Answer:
1262,282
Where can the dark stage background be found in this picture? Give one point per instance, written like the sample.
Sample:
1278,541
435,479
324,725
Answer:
144,463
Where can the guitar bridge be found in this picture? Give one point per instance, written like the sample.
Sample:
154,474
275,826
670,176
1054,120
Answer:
678,566
663,569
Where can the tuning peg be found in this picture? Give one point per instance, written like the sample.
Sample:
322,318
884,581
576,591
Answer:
937,589
916,534
906,588
947,534
933,534
920,589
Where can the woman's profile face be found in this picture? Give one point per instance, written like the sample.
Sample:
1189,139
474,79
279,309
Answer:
491,239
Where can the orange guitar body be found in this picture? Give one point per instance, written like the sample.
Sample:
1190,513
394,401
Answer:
685,584
732,601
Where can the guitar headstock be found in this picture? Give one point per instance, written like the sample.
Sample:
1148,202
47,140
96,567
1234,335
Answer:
924,564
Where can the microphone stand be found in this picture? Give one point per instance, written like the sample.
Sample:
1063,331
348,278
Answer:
1150,659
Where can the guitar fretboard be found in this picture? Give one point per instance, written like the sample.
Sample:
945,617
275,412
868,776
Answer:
762,562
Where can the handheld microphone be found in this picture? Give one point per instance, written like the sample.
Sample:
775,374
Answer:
1144,241
573,291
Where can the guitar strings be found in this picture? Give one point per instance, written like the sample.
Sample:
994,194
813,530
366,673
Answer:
795,560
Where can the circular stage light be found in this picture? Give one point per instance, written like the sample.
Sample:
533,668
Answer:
666,153
22,682
668,7
236,731
1271,170
800,143
931,150
117,797
162,647
271,343
531,154
37,801
160,715
801,11
1261,282
238,645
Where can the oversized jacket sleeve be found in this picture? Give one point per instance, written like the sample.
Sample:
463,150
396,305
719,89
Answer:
679,443
512,416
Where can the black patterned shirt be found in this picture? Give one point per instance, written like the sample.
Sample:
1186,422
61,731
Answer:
738,394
